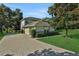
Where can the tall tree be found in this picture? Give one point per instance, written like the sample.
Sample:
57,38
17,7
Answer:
62,10
17,17
10,18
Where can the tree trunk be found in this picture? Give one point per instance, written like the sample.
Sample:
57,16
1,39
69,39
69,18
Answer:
66,28
66,32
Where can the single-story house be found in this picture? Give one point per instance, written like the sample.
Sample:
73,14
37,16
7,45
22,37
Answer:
39,26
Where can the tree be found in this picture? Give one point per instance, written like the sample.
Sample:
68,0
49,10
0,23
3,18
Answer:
17,16
10,18
61,11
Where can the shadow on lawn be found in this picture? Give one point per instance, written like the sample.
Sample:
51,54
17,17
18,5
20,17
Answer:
48,34
75,36
49,52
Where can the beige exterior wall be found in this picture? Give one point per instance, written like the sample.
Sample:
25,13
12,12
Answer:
27,31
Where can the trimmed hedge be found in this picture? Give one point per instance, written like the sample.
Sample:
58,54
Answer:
46,33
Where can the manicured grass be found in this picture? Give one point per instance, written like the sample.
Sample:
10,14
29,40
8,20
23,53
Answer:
70,43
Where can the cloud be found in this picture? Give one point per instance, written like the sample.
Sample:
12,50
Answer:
31,10
38,13
43,11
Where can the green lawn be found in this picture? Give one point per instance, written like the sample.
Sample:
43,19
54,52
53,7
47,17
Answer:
1,35
70,43
10,33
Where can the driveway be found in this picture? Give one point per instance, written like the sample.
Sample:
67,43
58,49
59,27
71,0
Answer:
21,45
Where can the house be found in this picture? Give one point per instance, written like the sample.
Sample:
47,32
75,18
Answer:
38,26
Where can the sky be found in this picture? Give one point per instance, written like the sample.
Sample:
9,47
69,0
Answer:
38,10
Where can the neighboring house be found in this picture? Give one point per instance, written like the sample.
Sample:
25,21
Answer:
39,26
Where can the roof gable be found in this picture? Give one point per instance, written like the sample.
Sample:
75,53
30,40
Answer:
37,23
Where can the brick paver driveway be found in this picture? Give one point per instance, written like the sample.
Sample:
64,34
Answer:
21,45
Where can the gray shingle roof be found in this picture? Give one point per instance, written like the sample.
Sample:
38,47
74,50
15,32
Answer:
37,23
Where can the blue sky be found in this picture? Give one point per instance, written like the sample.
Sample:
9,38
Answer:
38,10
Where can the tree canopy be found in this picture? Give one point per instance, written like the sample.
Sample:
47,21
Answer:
65,14
10,18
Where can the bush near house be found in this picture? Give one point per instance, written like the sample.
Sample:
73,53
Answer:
33,33
43,34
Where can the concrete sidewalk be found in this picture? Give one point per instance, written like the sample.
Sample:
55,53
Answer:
21,45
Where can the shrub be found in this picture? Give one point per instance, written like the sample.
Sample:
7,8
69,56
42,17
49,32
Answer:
33,33
46,33
52,33
40,35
